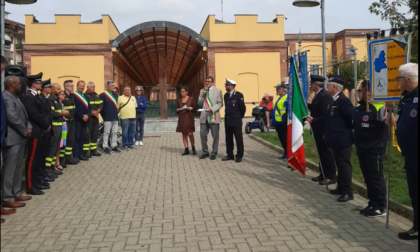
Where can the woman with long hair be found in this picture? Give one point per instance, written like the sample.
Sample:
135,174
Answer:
186,125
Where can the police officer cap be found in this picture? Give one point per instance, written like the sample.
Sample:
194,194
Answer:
230,82
46,84
317,78
283,86
37,77
337,79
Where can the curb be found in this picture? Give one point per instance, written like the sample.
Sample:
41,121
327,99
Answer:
358,187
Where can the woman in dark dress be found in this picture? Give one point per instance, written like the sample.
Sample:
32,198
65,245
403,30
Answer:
186,124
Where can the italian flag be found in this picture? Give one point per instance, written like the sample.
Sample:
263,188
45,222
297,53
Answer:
297,110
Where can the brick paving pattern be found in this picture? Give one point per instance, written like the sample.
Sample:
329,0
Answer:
152,199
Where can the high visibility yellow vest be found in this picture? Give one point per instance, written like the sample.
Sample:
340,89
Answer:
280,109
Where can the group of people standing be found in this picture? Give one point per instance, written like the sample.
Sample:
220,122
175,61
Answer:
211,101
59,128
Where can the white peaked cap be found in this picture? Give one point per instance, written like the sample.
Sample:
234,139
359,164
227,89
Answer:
231,82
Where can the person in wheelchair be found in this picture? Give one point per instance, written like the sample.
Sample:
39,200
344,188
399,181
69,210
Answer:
267,103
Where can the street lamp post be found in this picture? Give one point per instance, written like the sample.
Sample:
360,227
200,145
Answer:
315,3
3,26
352,52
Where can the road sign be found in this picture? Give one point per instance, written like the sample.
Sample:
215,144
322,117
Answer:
385,57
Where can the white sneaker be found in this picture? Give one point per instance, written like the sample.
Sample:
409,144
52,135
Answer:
137,143
141,143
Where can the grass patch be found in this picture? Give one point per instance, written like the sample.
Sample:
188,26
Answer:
399,187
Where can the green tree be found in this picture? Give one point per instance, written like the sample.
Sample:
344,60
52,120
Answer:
392,10
346,69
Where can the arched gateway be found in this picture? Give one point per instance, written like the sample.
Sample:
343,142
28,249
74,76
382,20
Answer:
162,52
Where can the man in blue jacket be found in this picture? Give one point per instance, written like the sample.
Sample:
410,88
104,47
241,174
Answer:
110,115
83,112
140,115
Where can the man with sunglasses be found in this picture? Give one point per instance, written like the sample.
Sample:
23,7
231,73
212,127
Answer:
408,137
211,100
371,133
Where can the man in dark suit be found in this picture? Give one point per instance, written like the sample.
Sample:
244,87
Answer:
37,143
234,112
339,135
18,130
318,108
83,112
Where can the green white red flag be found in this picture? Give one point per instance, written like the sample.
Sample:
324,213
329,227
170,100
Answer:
295,127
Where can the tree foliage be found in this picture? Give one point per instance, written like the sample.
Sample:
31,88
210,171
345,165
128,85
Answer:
391,10
346,69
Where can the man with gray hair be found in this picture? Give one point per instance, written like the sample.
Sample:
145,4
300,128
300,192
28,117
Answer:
110,115
408,137
91,139
339,135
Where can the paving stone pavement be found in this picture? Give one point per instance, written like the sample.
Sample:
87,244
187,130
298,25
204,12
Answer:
152,199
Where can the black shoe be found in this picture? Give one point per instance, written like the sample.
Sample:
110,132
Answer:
318,179
42,183
366,210
375,212
336,192
70,161
228,158
59,173
96,154
116,150
238,159
327,182
213,157
34,191
194,152
83,158
345,198
409,236
47,179
186,152
204,156
41,187
107,152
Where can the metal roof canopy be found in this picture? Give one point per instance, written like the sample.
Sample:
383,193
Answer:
143,44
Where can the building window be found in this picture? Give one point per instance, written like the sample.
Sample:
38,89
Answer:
314,69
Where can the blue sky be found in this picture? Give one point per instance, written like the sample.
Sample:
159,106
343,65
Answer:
340,14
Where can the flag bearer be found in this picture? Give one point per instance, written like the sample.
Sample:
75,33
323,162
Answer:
70,106
96,105
57,126
280,117
371,134
80,121
408,138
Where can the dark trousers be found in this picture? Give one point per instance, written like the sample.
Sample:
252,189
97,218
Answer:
345,169
235,131
91,139
141,118
44,152
35,161
326,156
54,146
68,149
282,133
80,134
412,170
372,168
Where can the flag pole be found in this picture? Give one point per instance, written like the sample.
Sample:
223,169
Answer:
316,146
389,166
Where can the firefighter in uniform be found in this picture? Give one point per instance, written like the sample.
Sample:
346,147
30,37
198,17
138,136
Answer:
408,138
81,118
47,175
371,133
37,143
57,126
280,117
70,107
96,106
234,112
